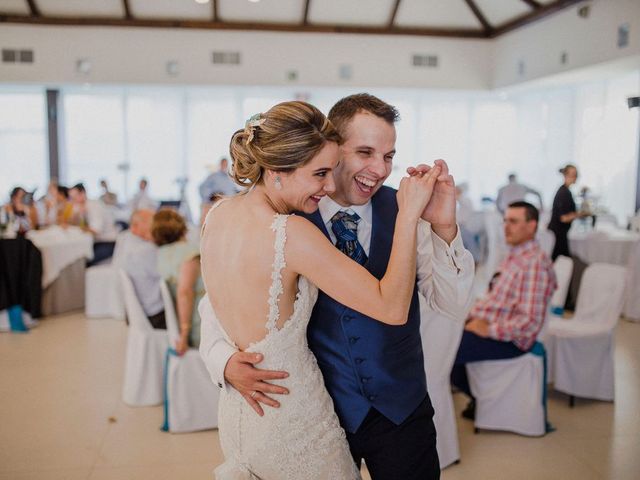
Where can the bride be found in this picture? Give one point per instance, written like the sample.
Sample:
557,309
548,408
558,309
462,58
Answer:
262,267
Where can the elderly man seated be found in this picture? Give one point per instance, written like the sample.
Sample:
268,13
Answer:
138,256
506,321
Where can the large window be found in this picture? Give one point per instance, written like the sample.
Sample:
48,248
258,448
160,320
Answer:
23,147
175,135
94,146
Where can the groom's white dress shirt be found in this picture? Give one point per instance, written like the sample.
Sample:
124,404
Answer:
445,277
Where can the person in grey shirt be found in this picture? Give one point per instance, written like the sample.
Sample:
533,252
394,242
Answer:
218,182
514,192
137,255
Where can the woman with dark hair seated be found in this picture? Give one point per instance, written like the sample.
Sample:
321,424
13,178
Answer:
179,266
21,210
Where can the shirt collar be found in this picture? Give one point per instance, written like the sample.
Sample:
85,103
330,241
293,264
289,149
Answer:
328,208
524,248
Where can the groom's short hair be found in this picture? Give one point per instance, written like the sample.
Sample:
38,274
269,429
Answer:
347,108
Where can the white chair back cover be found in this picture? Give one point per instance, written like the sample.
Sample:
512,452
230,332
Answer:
440,340
191,400
146,349
173,329
563,268
137,318
601,295
632,302
509,394
635,223
546,239
496,245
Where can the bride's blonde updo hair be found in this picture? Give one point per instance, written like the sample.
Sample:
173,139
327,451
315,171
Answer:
286,137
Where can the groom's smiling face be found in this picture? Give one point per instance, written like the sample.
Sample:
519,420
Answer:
366,159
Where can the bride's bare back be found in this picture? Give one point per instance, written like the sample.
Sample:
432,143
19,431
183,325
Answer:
237,263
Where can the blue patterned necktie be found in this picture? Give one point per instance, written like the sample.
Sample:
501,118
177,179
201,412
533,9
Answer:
345,228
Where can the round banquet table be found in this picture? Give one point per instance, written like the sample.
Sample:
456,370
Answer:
619,247
64,255
60,247
605,246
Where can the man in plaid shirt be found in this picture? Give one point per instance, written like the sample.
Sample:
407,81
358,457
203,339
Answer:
506,321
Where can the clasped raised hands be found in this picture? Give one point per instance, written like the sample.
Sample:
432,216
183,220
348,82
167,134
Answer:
415,192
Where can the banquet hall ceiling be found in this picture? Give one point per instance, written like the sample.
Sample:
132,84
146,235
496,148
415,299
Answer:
450,18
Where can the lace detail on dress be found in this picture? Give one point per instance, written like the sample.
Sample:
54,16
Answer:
279,226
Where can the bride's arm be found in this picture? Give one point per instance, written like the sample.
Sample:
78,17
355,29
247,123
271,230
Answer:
310,254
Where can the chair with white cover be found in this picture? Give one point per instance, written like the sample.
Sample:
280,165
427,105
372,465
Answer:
146,348
632,302
191,398
103,293
511,393
583,346
440,340
496,244
546,239
563,268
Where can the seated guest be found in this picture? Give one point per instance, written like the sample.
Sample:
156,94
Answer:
137,255
21,211
179,265
506,321
48,206
64,207
92,216
107,197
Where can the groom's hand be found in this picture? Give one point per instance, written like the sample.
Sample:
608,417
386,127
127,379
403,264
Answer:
250,381
441,209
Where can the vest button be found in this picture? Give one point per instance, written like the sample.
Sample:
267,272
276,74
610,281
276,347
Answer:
358,361
372,397
353,340
348,318
366,379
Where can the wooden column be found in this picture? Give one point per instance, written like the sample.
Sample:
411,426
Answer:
54,134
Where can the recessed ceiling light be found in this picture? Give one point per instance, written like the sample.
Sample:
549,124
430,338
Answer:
202,1
254,1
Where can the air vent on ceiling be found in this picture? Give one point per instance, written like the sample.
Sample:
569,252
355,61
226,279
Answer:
226,58
427,61
17,56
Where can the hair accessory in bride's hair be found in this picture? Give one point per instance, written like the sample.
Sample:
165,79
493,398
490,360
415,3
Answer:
250,126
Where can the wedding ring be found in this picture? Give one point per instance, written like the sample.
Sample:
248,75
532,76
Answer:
253,394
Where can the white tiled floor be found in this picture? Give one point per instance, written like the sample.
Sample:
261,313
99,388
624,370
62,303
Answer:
61,417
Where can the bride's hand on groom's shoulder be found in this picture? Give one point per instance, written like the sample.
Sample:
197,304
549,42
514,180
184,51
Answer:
241,373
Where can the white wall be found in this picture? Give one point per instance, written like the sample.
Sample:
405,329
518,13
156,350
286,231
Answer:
127,55
587,42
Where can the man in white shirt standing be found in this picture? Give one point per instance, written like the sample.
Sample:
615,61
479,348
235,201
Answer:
141,200
374,373
218,183
514,192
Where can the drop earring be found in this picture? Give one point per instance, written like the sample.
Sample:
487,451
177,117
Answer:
278,183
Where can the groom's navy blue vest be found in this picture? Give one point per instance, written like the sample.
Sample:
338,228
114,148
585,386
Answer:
366,363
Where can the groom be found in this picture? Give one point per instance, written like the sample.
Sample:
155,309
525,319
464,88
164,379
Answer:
373,372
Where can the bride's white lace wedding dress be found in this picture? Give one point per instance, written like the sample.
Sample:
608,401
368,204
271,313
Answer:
301,440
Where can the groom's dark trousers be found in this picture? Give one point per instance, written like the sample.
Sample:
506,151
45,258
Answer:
406,451
375,372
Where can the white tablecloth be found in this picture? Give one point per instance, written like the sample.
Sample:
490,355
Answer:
60,248
619,247
606,246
